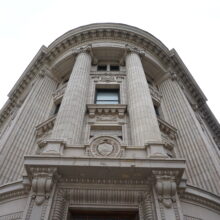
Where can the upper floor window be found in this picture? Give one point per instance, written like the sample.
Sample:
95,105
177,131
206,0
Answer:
114,68
108,67
156,108
102,67
57,107
107,96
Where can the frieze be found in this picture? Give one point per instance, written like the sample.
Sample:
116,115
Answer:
103,196
104,181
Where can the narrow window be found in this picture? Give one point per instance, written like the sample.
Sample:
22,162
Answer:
157,110
114,68
57,107
107,96
102,67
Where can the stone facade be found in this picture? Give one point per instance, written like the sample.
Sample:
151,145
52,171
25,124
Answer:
107,120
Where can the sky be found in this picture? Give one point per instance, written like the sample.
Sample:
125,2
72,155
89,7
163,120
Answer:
192,27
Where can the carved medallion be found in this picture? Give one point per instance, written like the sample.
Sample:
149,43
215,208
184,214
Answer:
105,147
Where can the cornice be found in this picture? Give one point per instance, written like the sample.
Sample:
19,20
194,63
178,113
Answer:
13,190
201,197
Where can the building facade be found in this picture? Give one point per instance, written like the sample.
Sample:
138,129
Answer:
107,123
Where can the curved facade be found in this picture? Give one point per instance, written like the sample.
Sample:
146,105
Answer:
107,123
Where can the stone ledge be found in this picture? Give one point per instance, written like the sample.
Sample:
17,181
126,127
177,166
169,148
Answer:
94,109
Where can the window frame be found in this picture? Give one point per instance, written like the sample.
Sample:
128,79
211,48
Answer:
117,90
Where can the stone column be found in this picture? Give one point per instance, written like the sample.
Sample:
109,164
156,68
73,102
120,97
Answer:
20,138
201,170
69,121
143,120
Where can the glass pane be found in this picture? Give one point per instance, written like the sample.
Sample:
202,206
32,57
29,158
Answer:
107,102
107,96
102,68
114,68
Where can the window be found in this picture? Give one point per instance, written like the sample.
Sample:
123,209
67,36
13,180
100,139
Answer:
57,107
156,108
102,67
114,68
107,96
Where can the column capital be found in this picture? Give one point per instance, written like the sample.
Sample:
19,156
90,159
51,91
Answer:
130,49
85,49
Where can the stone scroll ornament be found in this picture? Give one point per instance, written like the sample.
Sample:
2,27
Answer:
42,184
166,189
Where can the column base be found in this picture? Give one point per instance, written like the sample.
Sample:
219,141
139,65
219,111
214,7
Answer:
155,150
52,147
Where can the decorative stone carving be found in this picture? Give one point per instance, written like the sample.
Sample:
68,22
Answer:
86,49
44,127
108,78
115,109
42,183
129,48
167,129
165,187
105,147
104,117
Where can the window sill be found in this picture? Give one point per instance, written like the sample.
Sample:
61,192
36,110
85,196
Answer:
118,109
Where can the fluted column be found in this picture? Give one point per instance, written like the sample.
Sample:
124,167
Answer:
20,138
69,121
144,125
202,170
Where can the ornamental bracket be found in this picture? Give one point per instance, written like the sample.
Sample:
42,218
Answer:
166,186
42,183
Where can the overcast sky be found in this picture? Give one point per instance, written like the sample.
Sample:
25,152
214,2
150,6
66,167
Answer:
192,27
